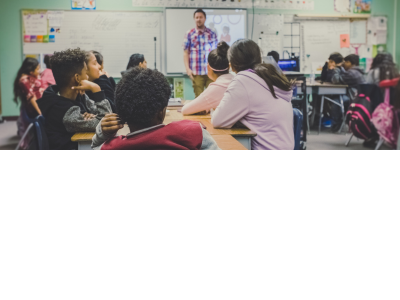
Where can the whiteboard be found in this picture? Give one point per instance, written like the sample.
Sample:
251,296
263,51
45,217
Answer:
319,40
116,35
179,21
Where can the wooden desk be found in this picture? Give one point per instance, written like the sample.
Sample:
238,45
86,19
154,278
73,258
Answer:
242,136
225,142
324,88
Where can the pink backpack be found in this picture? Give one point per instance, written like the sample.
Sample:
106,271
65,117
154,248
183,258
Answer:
385,118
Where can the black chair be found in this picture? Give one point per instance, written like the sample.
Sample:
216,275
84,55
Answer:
35,137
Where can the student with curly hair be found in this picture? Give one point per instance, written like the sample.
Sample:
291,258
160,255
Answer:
96,75
218,72
65,106
142,98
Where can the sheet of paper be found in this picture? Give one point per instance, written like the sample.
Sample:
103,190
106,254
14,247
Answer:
35,24
55,18
270,42
344,41
381,37
358,32
342,6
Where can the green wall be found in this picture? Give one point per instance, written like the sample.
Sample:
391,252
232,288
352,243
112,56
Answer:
11,44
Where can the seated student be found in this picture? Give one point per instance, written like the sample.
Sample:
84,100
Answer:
259,97
351,75
47,75
95,75
143,109
28,89
65,106
335,61
275,55
382,68
136,60
218,71
100,61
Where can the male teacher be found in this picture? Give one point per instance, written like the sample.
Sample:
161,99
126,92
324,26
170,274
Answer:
197,44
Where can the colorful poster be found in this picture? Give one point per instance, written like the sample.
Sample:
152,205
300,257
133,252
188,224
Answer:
178,86
83,4
361,6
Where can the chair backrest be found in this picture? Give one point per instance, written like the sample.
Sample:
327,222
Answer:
297,126
29,139
35,137
43,142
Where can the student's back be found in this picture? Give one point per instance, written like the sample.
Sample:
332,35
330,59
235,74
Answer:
260,106
249,100
382,68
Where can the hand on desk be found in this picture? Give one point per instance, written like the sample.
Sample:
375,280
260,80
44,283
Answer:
110,124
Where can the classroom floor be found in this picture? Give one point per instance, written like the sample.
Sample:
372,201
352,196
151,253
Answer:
8,135
324,141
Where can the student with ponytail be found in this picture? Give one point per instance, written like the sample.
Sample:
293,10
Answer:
218,72
259,97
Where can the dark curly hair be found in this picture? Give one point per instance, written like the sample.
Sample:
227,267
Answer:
140,95
65,64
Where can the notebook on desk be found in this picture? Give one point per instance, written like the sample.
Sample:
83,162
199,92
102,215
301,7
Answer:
175,102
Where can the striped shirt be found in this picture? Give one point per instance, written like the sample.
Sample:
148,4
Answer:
199,43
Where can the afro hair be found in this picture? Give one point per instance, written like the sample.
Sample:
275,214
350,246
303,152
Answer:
141,94
65,64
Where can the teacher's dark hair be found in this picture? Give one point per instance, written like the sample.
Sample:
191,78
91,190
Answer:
135,60
218,58
200,11
245,54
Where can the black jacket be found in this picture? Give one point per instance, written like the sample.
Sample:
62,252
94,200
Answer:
108,87
63,117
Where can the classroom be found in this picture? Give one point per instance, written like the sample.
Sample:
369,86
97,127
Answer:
199,75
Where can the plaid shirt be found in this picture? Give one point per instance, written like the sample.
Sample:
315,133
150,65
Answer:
199,43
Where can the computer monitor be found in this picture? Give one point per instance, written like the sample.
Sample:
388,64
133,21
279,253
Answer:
289,65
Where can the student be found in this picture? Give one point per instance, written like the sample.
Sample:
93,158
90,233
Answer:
47,74
335,60
143,109
218,72
351,75
65,106
28,89
382,68
275,55
259,97
136,60
96,75
100,61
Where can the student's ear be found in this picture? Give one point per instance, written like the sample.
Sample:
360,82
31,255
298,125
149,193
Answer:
77,79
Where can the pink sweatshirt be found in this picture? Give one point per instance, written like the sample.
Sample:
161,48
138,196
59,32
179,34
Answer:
47,78
249,101
211,97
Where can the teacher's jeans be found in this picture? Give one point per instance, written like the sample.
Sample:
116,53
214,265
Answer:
200,82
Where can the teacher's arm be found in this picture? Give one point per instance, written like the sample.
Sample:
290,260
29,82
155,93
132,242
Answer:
186,55
186,61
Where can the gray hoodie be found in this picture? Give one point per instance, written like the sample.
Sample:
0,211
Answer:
352,77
